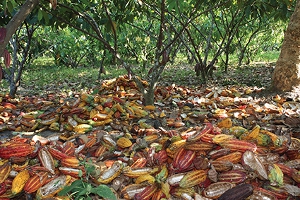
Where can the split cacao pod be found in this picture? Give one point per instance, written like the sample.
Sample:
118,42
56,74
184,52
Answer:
46,160
111,173
53,187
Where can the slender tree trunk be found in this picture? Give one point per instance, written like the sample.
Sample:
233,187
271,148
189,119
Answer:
241,56
286,75
101,68
17,20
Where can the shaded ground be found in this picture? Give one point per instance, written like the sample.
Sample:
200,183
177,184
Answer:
239,100
256,78
9,134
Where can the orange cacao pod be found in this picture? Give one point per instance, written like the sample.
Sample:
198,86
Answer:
35,182
15,149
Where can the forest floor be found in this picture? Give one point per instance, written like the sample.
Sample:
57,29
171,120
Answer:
252,82
110,116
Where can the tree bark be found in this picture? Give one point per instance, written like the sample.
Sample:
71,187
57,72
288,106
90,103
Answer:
17,20
286,76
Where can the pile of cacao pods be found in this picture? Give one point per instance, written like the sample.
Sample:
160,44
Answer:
192,144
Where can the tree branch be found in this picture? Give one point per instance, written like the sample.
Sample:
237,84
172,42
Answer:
17,20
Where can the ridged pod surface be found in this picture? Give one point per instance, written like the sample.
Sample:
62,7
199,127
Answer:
112,139
15,149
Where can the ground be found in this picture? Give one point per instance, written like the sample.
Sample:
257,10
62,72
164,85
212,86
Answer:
255,77
235,110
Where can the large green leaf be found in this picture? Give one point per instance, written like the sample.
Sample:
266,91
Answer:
75,186
11,5
104,191
40,15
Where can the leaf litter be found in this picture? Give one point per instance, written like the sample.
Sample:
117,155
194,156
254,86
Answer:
116,107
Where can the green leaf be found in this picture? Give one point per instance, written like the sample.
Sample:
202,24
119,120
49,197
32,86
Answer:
45,16
80,173
4,4
89,188
83,192
103,21
104,191
78,184
80,197
171,4
88,198
161,176
96,91
40,15
247,11
10,6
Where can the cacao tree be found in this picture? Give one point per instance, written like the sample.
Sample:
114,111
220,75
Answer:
216,38
105,27
18,19
20,45
286,76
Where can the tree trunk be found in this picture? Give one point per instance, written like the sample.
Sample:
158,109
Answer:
17,20
286,75
149,96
